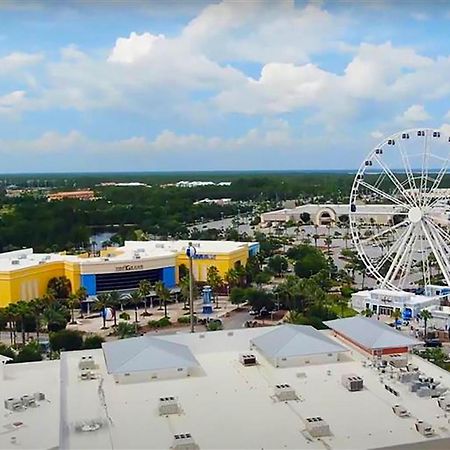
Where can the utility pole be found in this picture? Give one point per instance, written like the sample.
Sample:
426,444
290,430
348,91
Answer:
190,253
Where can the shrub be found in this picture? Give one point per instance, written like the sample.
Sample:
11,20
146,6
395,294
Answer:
31,352
7,351
161,323
66,340
214,326
125,330
124,316
94,341
184,319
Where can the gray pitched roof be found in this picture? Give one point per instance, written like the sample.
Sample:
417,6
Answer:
146,353
287,341
371,333
4,359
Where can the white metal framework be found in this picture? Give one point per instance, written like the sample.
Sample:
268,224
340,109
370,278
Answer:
409,243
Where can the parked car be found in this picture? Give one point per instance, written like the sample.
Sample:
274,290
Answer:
433,343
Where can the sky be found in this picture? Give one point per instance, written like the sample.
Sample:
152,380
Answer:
216,85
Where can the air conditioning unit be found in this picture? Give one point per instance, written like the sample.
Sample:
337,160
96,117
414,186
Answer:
28,400
424,428
184,442
317,427
168,405
352,382
15,262
247,359
444,403
39,396
87,374
87,362
13,404
400,411
284,392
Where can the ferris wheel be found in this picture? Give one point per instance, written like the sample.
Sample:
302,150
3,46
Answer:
399,210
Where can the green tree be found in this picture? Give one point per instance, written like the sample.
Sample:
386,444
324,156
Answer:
134,298
396,315
278,264
66,340
367,312
425,315
215,281
73,302
125,330
164,295
21,311
145,289
237,296
60,287
115,301
103,302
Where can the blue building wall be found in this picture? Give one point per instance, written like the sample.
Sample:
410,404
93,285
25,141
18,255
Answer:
253,249
88,282
168,276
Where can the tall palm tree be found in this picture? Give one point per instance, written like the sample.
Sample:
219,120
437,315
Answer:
12,317
396,315
82,295
135,298
73,302
145,289
115,301
22,310
37,307
215,280
103,301
163,293
184,290
425,315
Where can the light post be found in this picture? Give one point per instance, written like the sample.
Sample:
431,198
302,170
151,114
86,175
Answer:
190,253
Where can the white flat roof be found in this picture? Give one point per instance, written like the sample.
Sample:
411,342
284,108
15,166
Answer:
228,407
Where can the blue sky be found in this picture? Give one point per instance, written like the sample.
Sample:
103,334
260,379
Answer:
186,85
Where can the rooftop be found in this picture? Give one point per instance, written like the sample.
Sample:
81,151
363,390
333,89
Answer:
220,401
370,333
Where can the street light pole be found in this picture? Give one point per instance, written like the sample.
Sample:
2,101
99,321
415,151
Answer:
190,253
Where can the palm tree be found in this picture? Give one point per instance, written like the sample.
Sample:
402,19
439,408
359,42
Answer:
214,279
396,315
145,289
22,310
103,301
115,302
184,290
135,298
328,242
73,302
425,315
11,312
37,307
342,303
367,312
163,293
82,295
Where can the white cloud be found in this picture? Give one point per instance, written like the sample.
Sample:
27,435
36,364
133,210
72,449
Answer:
136,47
18,60
376,134
11,103
415,113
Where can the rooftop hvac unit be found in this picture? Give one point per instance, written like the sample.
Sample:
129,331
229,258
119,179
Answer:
444,403
285,392
352,382
184,442
86,374
13,404
22,256
317,427
15,262
398,361
424,428
86,362
28,400
168,405
39,396
400,411
247,359
137,256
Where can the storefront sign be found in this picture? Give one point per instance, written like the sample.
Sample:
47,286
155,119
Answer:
200,256
128,267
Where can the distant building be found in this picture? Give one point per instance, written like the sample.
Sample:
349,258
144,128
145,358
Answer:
214,201
78,195
325,214
128,184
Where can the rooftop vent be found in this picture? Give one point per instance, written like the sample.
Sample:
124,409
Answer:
400,411
352,382
248,359
28,400
86,362
444,403
184,442
15,262
424,428
317,427
87,374
13,404
284,392
88,425
168,405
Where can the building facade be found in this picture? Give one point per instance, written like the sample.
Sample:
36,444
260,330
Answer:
24,275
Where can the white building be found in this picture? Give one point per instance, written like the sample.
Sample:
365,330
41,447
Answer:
385,302
324,214
440,318
226,404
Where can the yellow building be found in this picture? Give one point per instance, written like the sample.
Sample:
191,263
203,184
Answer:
24,275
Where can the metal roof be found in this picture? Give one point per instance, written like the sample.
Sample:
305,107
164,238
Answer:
371,333
286,341
146,353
